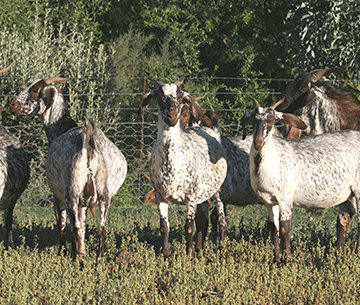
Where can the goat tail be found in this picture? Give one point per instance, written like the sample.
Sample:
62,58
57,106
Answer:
89,144
89,134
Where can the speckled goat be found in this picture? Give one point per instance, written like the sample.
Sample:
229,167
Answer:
14,176
236,189
186,166
83,167
324,109
311,172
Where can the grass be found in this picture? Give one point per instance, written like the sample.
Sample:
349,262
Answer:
134,271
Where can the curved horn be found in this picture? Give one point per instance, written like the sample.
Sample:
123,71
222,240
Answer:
200,97
338,70
179,82
317,74
61,80
280,101
5,69
257,104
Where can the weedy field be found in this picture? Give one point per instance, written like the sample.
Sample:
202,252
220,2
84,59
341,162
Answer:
134,271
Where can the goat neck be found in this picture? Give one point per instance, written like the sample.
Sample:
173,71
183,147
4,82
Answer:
57,119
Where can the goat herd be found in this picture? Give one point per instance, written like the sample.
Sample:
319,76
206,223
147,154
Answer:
192,162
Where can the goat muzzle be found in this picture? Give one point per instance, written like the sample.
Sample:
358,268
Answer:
171,118
259,143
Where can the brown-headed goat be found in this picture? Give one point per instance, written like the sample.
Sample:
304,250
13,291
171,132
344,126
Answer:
83,167
324,109
186,166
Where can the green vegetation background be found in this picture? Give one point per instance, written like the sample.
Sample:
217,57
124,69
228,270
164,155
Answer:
110,49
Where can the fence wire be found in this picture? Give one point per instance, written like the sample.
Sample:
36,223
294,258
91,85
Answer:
134,138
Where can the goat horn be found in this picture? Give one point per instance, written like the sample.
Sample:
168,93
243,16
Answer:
280,101
317,74
179,82
338,70
200,97
257,104
61,80
5,69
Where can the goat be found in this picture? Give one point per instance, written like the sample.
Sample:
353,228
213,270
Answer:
83,167
186,166
236,189
311,172
324,109
14,177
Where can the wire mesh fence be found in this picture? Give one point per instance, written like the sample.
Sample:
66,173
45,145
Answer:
134,138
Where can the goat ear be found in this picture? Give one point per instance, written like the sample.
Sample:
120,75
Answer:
300,103
196,111
144,101
247,117
294,121
48,94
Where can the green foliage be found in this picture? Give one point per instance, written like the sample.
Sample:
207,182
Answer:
81,16
134,271
324,33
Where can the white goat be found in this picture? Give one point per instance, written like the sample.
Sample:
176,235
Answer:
83,166
323,108
186,166
312,172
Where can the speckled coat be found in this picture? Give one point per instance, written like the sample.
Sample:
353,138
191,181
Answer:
14,177
83,166
314,172
186,166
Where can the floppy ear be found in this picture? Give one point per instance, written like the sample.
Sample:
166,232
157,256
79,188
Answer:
144,101
300,103
248,116
294,121
47,95
199,116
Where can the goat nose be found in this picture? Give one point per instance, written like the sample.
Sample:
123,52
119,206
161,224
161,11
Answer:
171,118
258,143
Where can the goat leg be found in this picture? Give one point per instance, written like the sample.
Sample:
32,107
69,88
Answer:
164,224
202,224
104,203
222,216
343,221
284,232
189,226
61,222
8,218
